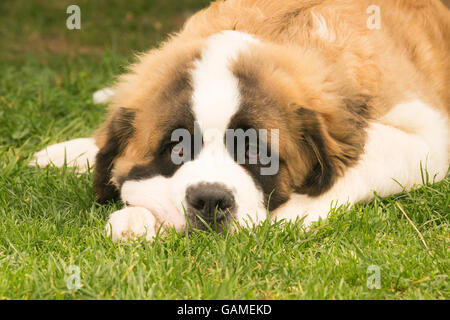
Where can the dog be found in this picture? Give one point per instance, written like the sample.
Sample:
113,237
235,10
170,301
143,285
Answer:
350,98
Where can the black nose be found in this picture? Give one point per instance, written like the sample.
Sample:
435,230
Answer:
213,202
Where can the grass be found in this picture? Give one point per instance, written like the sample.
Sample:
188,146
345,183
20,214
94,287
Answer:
49,219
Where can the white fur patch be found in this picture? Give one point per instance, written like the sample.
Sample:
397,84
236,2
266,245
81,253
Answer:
79,153
411,135
103,96
131,223
216,93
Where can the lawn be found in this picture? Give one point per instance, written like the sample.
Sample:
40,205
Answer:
51,228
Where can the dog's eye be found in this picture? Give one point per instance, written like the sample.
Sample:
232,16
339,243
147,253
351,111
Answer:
177,150
252,152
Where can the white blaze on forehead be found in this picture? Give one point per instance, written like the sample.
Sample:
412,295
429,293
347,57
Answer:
216,93
216,98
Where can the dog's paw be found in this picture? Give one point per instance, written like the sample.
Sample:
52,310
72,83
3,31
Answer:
131,223
79,153
303,209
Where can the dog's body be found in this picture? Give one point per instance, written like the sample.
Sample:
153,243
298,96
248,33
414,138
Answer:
355,96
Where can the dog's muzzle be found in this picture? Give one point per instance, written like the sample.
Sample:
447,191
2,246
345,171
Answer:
210,204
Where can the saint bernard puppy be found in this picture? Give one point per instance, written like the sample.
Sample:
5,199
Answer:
328,101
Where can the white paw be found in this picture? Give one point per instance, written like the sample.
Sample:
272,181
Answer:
79,153
293,215
303,208
103,96
131,223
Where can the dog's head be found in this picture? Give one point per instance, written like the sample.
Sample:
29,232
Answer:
224,129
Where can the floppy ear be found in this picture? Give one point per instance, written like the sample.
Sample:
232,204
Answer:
330,143
113,137
314,143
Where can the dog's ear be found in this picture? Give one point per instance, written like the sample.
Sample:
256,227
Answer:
329,142
316,147
112,138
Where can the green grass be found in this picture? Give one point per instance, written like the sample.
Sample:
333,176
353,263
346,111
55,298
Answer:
49,219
